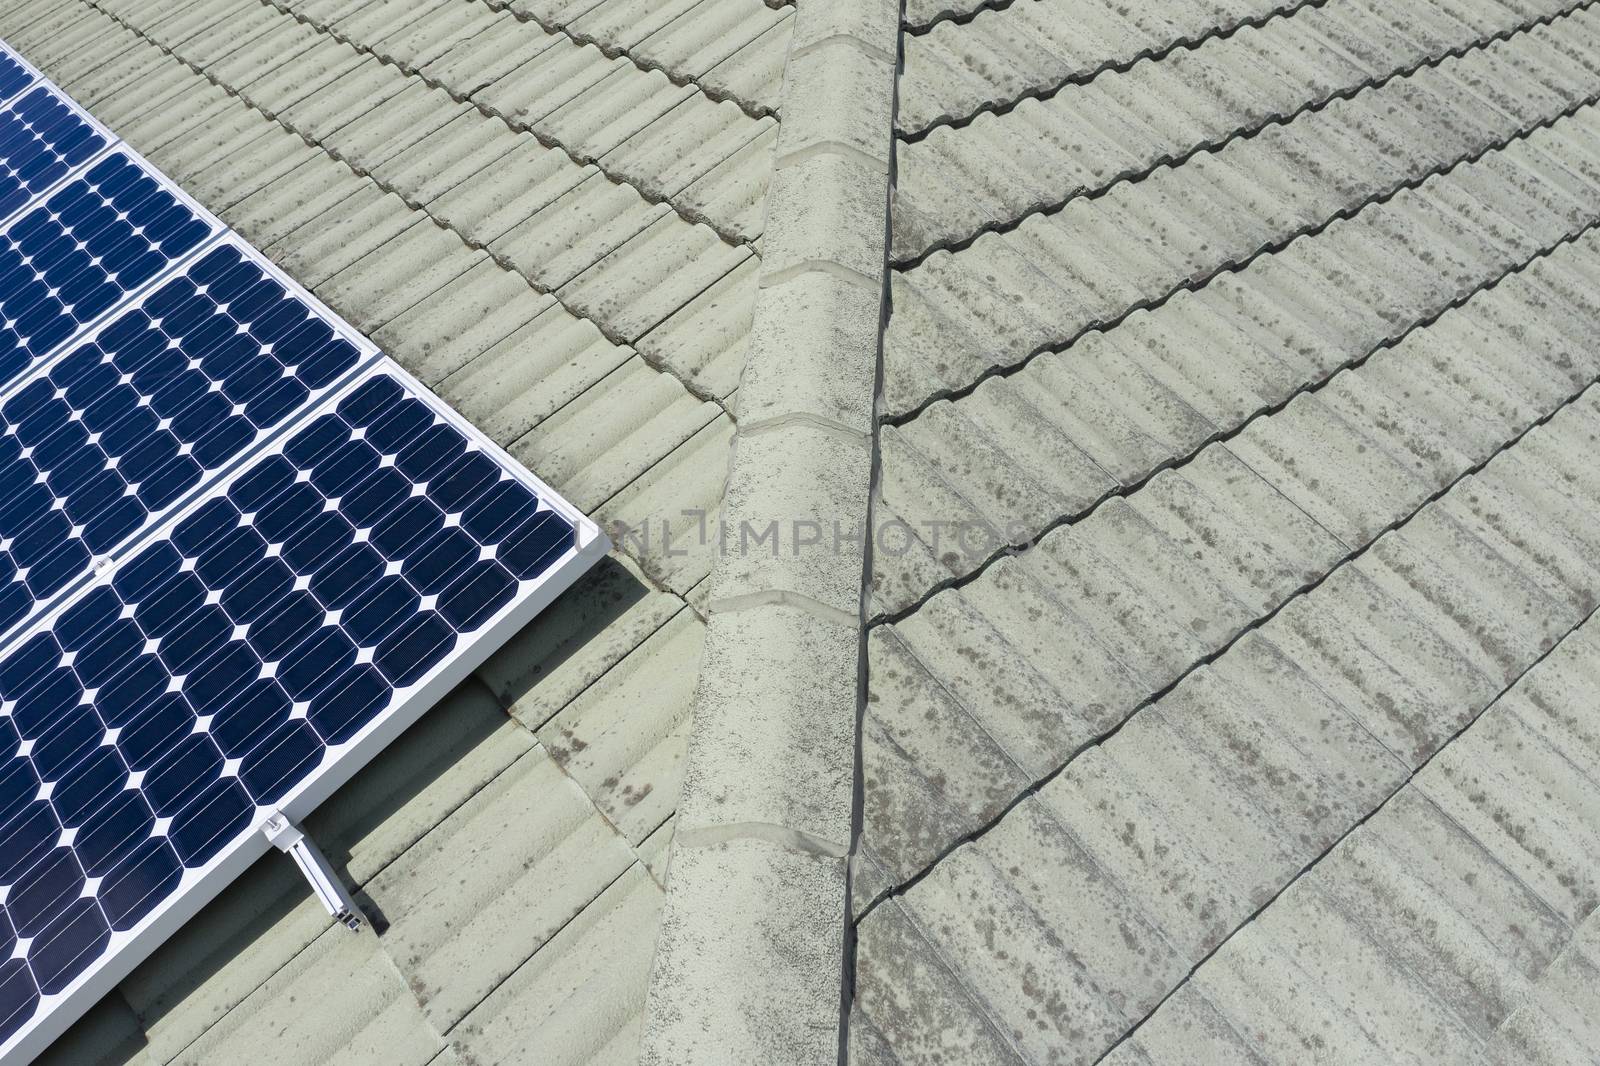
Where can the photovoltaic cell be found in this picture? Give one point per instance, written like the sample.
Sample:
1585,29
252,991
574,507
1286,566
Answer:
66,262
41,139
135,417
240,550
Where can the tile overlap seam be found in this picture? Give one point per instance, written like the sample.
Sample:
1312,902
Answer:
1282,118
1239,263
905,885
1177,462
1156,53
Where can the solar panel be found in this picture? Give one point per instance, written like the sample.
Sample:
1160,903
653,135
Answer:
41,139
240,551
14,76
147,406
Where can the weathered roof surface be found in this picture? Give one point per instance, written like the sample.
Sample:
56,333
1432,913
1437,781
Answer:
1232,676
551,213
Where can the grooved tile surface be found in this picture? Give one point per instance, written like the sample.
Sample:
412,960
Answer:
1232,646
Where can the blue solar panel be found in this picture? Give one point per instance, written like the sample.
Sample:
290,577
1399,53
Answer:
214,672
240,550
14,75
41,140
96,240
155,402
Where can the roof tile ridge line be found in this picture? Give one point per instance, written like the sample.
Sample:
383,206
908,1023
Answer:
1243,262
1244,631
1283,118
1178,462
954,18
1155,52
747,891
605,330
691,217
1408,782
611,51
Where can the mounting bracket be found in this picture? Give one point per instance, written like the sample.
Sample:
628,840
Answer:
286,836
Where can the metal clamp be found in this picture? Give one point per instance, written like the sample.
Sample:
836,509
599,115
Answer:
286,836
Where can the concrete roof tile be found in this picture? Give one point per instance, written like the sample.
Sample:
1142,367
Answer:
475,62
533,91
380,19
670,518
913,1005
437,30
354,228
461,320
963,285
551,661
995,921
683,146
580,999
622,24
340,998
1547,1029
399,274
952,73
755,71
465,909
273,154
699,42
270,214
1467,946
107,1035
614,110
1291,551
735,190
926,765
563,355
657,271
611,433
624,737
306,71
1470,956
704,341
1279,777
552,12
576,230
467,151
396,124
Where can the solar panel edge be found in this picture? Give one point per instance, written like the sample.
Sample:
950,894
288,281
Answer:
126,950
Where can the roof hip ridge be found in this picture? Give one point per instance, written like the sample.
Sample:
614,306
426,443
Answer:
751,958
